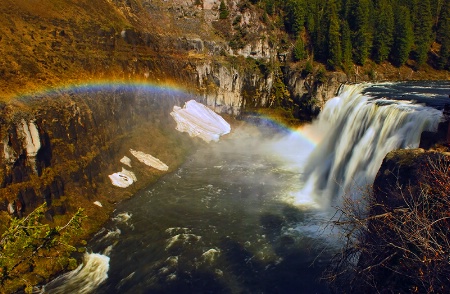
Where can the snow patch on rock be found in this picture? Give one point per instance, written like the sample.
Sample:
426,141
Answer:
123,179
98,203
149,160
126,160
199,121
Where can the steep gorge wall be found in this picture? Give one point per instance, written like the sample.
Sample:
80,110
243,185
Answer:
60,149
55,142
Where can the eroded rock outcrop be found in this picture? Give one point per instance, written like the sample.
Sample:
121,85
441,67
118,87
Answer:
62,145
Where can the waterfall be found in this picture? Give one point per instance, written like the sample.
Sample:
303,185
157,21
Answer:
357,133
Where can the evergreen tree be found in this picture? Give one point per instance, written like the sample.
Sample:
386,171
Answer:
346,8
442,25
320,36
436,9
350,12
27,240
422,31
411,5
311,15
380,29
299,49
444,36
333,39
223,10
295,16
346,45
403,36
270,7
362,36
384,30
444,58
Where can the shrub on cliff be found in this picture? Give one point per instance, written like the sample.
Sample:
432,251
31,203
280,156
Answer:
402,248
223,10
29,249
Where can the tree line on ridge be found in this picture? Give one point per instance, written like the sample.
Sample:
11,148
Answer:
340,33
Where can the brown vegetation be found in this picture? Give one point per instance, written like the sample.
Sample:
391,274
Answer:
398,248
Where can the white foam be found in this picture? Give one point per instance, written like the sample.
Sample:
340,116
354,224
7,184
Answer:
112,234
199,121
123,179
149,160
122,217
211,255
182,239
85,279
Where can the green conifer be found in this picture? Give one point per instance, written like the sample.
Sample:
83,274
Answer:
299,49
223,10
333,39
443,35
346,45
362,36
422,31
384,31
320,38
295,16
403,36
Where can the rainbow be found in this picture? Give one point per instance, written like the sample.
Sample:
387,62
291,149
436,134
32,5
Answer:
301,134
307,136
105,85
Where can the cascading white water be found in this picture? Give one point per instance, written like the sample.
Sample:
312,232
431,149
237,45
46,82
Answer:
85,279
358,131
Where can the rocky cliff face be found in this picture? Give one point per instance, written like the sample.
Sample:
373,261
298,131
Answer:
182,42
60,149
404,171
58,145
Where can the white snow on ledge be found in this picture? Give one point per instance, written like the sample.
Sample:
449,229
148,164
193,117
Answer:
149,160
126,160
199,121
123,179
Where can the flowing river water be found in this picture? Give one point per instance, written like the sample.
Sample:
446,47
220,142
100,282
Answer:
249,213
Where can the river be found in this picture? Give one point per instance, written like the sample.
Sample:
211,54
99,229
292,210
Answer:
249,213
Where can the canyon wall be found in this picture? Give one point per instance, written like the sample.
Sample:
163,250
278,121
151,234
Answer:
57,139
66,144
